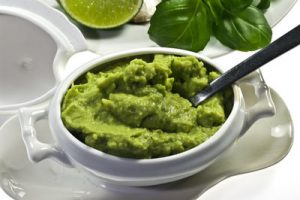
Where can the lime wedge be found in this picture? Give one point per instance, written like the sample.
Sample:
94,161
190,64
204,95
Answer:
102,14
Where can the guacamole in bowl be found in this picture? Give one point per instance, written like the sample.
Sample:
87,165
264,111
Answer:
125,118
139,107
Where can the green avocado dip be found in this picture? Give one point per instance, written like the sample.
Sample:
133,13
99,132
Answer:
140,109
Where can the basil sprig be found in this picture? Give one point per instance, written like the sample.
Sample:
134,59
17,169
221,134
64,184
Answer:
263,4
185,24
189,24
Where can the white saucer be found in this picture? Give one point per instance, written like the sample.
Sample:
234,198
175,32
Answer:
265,144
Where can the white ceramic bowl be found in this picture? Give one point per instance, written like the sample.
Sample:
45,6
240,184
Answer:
142,172
37,41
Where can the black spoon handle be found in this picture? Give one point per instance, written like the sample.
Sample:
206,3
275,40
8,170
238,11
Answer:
275,49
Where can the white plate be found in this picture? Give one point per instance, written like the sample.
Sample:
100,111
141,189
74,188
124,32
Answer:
132,36
265,144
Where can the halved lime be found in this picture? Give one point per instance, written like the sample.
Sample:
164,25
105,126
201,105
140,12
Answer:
102,13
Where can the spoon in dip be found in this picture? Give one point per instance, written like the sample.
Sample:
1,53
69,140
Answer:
275,49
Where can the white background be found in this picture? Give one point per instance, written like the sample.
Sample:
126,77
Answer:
281,181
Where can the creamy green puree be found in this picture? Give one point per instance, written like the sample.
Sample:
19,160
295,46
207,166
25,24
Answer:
139,109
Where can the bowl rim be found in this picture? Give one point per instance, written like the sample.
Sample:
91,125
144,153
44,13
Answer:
55,108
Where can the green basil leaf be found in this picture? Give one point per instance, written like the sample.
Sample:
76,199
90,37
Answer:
236,5
263,4
245,31
216,8
184,24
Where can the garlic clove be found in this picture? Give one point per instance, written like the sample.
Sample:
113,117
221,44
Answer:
147,11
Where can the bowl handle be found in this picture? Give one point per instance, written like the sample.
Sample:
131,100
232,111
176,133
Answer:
257,97
37,150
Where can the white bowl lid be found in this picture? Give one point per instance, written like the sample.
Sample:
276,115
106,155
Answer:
36,43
